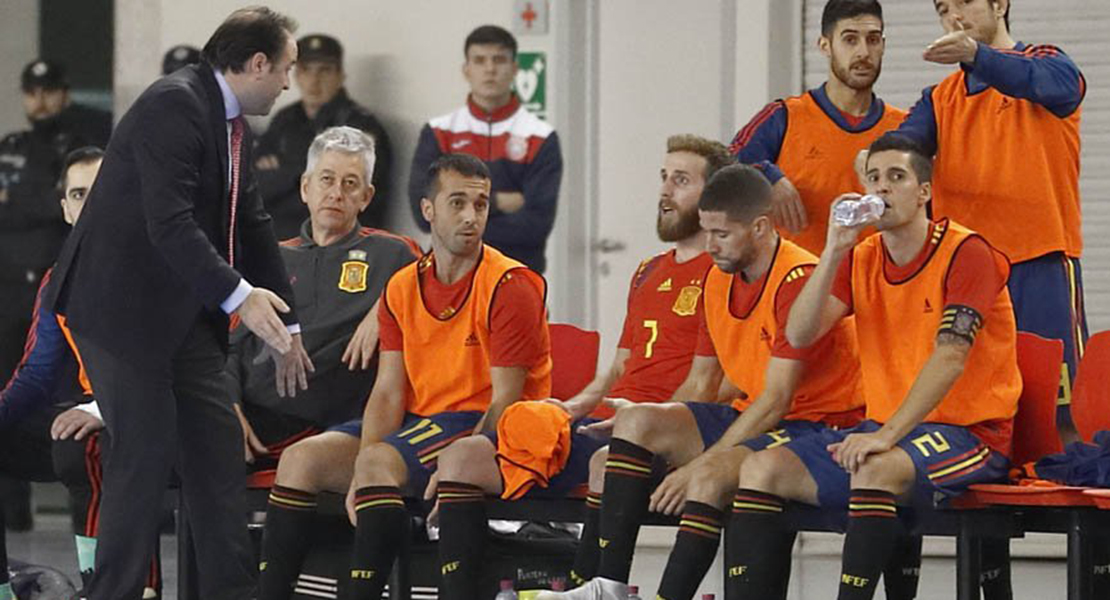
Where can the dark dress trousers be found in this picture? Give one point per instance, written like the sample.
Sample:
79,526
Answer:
141,280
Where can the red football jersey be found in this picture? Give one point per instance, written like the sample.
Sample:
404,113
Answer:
665,312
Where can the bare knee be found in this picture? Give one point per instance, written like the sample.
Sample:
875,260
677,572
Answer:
306,464
380,464
466,460
645,425
891,471
779,472
597,470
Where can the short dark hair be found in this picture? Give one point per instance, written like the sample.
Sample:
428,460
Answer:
85,154
740,191
920,161
463,164
715,153
245,33
838,10
490,34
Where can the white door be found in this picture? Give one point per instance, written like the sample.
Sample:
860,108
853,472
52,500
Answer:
659,74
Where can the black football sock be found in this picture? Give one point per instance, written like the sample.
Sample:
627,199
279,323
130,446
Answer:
290,517
624,506
902,573
873,531
588,555
462,536
695,547
757,546
383,524
995,569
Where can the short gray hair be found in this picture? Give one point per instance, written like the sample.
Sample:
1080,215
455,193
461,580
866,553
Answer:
342,139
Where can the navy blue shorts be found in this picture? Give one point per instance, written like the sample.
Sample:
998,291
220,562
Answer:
420,440
948,459
1047,293
714,419
575,475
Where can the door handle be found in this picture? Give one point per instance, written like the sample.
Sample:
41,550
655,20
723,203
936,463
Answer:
606,245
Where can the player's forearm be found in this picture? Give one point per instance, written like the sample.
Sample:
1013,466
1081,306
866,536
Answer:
803,326
383,415
589,398
762,416
699,389
508,387
936,378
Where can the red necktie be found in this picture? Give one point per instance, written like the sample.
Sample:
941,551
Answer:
236,148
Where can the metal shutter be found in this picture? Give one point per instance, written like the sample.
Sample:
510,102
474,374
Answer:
1076,26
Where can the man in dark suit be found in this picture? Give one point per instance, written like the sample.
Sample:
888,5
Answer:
173,240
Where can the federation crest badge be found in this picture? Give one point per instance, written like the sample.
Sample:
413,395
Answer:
516,148
687,303
353,277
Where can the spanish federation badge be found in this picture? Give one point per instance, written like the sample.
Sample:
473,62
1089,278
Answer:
687,303
353,276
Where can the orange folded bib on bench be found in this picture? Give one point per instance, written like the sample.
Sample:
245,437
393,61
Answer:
533,444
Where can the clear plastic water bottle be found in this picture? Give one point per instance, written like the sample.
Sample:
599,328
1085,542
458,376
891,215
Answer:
634,592
506,592
850,213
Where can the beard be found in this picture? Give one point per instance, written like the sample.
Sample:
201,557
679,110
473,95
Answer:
741,262
683,224
844,74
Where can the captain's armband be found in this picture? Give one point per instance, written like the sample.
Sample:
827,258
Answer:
961,322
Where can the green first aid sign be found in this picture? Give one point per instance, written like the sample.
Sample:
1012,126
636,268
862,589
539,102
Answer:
531,82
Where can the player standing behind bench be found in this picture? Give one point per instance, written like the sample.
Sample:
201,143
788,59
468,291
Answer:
814,138
938,352
1005,131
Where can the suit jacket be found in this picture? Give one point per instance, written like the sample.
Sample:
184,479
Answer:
148,257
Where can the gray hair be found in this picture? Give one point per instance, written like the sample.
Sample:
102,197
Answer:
342,139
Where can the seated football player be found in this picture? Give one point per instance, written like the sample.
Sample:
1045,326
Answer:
463,335
937,346
786,392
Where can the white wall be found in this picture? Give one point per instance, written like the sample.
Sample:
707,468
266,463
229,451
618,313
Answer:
19,45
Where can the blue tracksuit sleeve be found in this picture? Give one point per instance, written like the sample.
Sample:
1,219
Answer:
921,123
32,385
1041,74
540,186
760,141
427,151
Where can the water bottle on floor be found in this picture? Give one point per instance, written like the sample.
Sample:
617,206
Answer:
506,592
634,592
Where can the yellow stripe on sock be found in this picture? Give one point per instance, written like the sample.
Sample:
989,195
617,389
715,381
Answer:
763,507
381,502
625,465
701,526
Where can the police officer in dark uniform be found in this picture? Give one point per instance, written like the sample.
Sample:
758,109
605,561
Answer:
324,103
31,225
181,55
